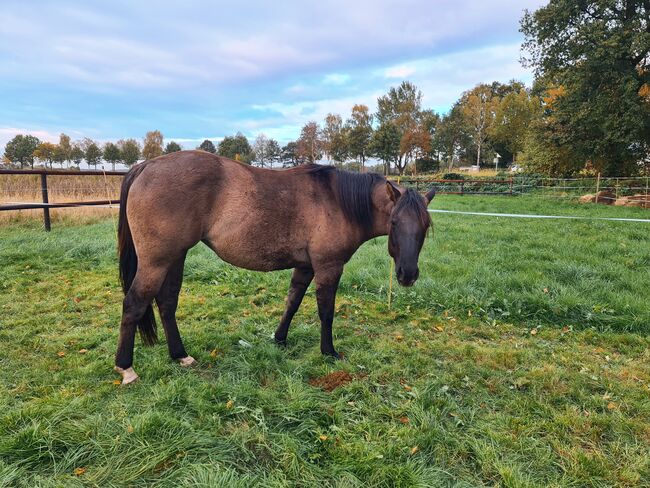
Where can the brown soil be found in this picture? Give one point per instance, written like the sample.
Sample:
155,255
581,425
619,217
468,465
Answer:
331,381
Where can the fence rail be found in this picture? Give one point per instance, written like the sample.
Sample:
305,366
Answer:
512,186
46,205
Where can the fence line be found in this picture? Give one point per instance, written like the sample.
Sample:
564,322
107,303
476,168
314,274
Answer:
533,216
512,186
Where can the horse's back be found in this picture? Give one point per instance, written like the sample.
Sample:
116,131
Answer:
170,202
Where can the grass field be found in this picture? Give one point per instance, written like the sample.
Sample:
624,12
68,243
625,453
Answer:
520,358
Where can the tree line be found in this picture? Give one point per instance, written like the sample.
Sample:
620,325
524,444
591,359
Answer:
588,111
400,134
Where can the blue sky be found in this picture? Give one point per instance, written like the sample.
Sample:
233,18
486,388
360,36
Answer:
197,69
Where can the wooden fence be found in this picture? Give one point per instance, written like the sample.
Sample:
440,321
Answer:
455,187
46,205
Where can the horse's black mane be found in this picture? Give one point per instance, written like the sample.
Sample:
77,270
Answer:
354,193
414,202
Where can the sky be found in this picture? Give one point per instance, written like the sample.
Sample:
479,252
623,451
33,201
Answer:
198,69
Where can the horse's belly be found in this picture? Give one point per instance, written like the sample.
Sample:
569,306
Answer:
259,256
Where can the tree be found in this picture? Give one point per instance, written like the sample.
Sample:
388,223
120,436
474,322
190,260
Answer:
76,153
45,152
208,146
260,147
153,145
129,151
310,144
236,147
592,61
359,133
288,156
274,152
543,151
385,144
334,140
452,135
92,152
478,106
63,151
21,149
514,114
112,154
401,107
175,147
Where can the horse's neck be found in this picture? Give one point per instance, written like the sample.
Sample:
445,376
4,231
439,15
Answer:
381,214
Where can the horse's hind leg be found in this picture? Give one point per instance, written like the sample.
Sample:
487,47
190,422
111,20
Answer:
147,283
167,301
299,284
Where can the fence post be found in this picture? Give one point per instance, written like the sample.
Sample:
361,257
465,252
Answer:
46,210
462,187
511,183
597,186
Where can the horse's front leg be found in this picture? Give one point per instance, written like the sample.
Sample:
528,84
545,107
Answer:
327,282
300,281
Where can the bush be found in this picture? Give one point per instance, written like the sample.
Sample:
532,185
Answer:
453,176
427,165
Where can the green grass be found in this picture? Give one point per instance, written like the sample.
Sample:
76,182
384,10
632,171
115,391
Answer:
450,386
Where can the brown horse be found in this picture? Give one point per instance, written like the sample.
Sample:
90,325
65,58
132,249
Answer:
310,218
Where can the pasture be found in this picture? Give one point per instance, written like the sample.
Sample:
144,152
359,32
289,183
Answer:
520,358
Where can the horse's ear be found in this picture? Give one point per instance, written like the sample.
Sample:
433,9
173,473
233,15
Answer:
429,195
393,191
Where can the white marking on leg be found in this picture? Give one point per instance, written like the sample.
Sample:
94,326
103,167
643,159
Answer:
187,361
128,375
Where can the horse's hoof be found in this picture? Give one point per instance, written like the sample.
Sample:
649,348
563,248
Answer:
128,375
187,361
280,342
335,355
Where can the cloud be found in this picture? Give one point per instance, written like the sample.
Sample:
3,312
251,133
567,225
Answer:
336,79
134,46
8,133
399,71
117,69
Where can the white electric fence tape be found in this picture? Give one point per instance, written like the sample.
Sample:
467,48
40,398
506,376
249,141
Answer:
527,216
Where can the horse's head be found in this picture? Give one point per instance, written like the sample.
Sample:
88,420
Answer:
409,221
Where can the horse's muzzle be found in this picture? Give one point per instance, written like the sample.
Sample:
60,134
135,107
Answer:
407,277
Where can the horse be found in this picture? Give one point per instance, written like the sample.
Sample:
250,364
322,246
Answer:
310,218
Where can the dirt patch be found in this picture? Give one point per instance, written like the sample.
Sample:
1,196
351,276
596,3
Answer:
332,381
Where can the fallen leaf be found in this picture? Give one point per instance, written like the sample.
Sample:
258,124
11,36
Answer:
414,449
117,382
79,471
230,404
533,331
565,329
404,420
407,388
83,351
60,354
612,406
545,290
521,382
129,429
323,437
437,328
399,337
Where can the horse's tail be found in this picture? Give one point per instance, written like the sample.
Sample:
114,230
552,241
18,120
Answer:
129,259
